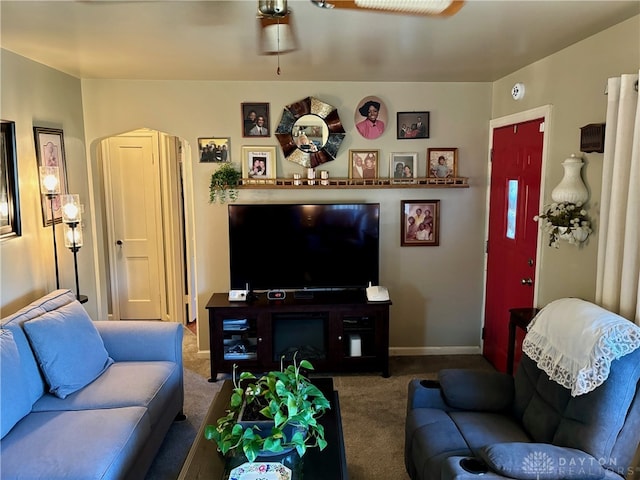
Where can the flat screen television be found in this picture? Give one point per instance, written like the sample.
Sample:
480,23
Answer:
304,246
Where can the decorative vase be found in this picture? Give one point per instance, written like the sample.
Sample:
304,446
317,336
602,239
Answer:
571,188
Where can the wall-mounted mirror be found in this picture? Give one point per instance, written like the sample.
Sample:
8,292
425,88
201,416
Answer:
310,132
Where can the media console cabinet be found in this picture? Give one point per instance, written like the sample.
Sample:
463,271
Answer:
337,331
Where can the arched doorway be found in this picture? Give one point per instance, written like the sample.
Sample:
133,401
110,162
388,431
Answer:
148,258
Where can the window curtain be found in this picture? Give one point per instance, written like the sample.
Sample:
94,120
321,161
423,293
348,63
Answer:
618,268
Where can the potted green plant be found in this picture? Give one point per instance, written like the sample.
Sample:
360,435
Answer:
282,407
224,181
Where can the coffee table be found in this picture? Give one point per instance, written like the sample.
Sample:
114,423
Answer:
205,463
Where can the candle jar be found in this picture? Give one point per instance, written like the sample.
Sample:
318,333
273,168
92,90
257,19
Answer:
311,175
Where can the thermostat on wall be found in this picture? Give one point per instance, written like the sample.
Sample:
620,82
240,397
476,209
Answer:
517,92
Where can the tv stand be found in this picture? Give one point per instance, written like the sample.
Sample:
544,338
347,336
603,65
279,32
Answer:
337,331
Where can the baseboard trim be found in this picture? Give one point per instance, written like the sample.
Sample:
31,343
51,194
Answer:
453,350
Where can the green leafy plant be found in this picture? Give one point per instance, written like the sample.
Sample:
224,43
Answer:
287,399
224,182
565,220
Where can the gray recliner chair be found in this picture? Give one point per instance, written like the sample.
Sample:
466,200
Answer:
549,422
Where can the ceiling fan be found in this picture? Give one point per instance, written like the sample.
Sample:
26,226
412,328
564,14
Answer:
276,27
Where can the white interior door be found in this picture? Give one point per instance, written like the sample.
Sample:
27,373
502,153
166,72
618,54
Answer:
133,185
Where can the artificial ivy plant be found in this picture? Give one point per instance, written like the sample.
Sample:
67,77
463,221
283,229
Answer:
224,183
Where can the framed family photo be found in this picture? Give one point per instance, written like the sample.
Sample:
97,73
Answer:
402,167
259,163
412,125
442,162
50,153
216,149
363,164
255,120
420,223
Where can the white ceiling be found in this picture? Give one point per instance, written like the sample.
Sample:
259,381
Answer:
218,40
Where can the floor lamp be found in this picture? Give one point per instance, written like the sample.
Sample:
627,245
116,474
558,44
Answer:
50,187
72,218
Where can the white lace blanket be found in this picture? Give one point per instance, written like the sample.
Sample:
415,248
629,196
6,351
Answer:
575,341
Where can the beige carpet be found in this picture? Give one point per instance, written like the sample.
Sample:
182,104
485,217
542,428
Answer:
372,408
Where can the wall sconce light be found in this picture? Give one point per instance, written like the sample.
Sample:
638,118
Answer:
50,186
72,217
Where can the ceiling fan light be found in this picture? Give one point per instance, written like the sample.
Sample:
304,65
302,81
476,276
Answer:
277,38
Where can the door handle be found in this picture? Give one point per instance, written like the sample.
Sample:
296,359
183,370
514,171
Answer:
119,243
527,281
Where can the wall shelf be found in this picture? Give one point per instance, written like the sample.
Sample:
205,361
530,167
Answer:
423,182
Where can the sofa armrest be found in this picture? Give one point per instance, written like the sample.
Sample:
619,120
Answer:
425,394
540,461
477,390
142,340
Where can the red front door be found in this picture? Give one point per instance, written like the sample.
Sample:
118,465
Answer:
511,247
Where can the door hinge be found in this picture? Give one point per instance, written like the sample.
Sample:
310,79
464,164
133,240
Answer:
482,334
541,127
486,246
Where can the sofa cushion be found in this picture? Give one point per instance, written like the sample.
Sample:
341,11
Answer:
14,394
75,445
14,322
480,429
430,436
68,347
539,461
125,384
478,390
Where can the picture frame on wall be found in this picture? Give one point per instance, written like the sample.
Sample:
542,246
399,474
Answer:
363,164
442,162
420,223
412,125
258,163
50,152
10,224
255,119
214,149
403,166
370,117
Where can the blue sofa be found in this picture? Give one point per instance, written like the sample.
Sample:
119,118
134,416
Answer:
85,400
533,426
